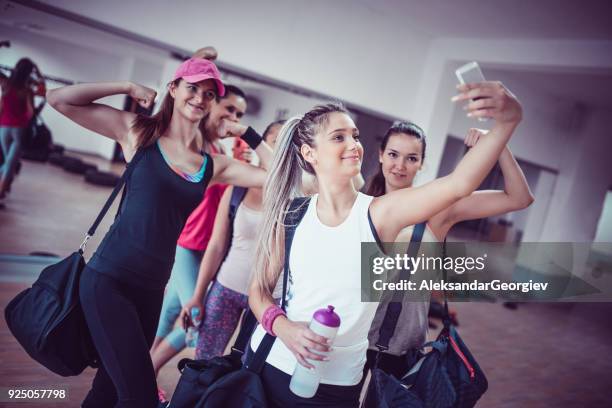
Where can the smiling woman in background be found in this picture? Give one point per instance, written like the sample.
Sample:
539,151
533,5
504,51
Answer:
401,157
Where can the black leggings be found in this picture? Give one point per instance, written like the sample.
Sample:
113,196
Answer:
278,394
122,320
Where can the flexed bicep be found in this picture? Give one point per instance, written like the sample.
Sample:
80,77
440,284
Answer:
77,103
237,173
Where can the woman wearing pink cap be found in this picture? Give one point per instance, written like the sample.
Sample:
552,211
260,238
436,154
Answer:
123,285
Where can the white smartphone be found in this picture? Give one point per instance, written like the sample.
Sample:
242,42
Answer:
468,74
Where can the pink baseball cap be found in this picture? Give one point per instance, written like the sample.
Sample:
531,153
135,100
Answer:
198,69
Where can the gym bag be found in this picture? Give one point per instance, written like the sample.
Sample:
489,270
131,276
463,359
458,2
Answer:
448,376
384,390
47,319
223,382
101,178
37,141
76,165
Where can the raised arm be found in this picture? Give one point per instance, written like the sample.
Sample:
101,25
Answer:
77,103
394,211
237,173
232,129
213,256
516,194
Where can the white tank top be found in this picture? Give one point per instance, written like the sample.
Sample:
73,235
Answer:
325,270
235,272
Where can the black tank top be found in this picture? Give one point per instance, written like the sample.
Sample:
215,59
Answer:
139,247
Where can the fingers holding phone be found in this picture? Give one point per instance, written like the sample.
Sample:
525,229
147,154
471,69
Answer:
487,99
490,100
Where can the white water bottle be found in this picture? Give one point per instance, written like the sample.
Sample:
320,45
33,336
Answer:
305,382
191,338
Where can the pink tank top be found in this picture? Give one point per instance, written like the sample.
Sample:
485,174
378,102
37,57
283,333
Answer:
16,111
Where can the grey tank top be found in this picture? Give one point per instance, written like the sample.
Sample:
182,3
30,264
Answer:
411,329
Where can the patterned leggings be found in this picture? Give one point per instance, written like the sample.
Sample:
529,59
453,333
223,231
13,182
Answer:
222,311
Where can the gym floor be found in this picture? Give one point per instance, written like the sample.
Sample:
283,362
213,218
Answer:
539,355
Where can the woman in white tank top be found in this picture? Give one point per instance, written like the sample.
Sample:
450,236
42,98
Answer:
401,156
325,142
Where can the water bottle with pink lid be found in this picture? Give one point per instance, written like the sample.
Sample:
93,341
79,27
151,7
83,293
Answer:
304,382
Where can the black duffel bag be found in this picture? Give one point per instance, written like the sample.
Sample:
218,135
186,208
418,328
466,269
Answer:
56,148
57,159
47,319
76,165
37,141
48,322
101,178
223,382
198,375
469,381
448,376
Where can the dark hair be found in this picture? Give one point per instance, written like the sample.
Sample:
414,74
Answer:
150,128
21,75
270,126
376,185
232,89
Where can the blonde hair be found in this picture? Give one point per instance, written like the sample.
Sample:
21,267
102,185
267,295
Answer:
284,183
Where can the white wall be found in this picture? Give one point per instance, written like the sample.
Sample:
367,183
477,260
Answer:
556,132
78,63
381,63
568,205
274,102
437,83
545,131
582,183
59,59
375,61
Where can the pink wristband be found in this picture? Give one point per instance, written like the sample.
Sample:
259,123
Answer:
269,316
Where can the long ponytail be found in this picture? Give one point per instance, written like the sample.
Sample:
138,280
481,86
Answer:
283,184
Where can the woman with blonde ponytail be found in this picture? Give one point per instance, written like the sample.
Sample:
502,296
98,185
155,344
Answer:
324,264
